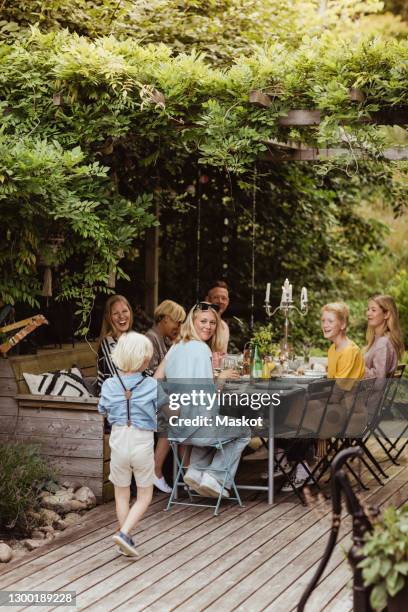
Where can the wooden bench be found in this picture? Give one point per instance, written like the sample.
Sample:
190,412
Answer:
69,431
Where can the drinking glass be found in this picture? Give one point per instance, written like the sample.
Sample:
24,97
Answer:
306,352
217,363
270,364
240,363
232,362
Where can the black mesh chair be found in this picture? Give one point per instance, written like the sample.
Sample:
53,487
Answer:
303,420
393,449
350,412
374,408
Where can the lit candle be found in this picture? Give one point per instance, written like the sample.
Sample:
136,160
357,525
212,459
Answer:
303,298
285,291
268,293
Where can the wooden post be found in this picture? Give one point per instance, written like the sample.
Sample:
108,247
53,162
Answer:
152,267
356,95
259,98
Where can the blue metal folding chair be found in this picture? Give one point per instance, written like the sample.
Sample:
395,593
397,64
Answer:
181,469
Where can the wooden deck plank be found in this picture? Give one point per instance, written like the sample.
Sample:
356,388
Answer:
86,558
59,570
164,550
307,565
220,568
288,570
110,569
109,562
96,568
253,558
23,566
69,542
192,556
338,573
232,574
343,601
299,580
224,553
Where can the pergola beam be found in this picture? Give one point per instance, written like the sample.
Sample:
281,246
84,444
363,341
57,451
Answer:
300,118
304,117
312,154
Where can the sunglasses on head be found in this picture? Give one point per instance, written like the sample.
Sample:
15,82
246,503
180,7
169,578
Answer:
206,306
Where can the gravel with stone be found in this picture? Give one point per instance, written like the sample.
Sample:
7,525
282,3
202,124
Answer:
63,506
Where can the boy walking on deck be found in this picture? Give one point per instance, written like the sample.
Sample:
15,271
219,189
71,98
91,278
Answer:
131,401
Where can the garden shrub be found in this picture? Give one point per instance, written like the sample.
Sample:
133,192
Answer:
22,473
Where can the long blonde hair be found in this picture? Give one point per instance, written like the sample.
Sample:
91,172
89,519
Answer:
108,329
188,331
391,326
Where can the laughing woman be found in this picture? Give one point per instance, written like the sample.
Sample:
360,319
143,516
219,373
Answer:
117,319
384,338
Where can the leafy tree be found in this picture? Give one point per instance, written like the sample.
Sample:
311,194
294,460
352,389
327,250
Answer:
93,124
61,212
221,30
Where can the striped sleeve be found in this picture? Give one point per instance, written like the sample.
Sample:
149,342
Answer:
106,367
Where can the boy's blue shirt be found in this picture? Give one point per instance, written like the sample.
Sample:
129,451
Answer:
145,402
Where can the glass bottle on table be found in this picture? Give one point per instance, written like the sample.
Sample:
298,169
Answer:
256,362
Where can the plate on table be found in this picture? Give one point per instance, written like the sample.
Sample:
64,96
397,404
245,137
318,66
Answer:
288,375
314,374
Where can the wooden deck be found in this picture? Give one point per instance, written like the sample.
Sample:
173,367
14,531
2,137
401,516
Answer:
255,558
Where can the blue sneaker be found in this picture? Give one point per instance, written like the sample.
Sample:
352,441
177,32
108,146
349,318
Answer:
126,544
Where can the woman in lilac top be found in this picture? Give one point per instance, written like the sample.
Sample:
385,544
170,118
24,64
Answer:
384,338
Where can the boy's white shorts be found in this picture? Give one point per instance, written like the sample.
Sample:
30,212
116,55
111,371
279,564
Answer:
132,450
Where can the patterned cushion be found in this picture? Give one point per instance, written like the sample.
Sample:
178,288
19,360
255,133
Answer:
67,383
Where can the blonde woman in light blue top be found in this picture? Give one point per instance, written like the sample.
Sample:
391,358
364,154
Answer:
190,362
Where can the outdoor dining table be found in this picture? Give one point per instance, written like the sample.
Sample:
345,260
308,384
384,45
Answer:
286,386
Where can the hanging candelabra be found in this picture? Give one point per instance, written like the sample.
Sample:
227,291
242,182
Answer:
286,306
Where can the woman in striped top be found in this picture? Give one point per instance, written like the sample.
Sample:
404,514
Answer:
117,319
